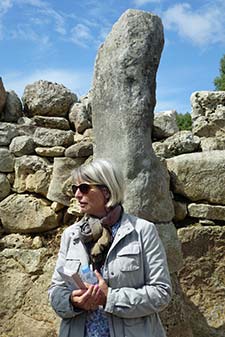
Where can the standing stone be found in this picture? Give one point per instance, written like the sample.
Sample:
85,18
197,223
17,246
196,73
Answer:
3,95
13,108
123,102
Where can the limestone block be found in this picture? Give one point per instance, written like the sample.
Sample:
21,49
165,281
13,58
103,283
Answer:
81,149
22,145
180,209
53,137
45,98
181,142
4,186
202,278
3,96
205,211
16,240
79,117
32,174
208,113
6,160
123,100
13,108
199,176
59,188
27,214
51,122
7,132
164,124
55,151
212,143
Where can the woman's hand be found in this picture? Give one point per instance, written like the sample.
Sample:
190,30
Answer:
103,287
86,299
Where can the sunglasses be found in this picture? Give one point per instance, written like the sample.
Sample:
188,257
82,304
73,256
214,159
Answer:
84,188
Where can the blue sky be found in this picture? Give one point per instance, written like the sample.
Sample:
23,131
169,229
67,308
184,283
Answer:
58,41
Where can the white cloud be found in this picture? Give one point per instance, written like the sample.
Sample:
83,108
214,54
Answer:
202,27
76,80
81,35
140,3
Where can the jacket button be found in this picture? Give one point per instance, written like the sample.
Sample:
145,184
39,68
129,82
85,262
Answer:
112,273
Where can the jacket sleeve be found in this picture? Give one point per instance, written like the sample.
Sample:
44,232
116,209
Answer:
155,294
58,292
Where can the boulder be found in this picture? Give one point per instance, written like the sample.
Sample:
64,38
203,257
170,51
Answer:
13,108
212,143
181,142
3,96
55,151
202,278
27,214
60,185
22,145
6,160
4,186
208,113
53,137
79,117
199,176
164,124
81,149
7,132
123,100
45,98
206,211
32,174
51,122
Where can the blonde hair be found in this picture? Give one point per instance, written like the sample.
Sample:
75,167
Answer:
102,172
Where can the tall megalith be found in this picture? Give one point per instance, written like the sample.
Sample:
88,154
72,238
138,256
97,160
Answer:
123,102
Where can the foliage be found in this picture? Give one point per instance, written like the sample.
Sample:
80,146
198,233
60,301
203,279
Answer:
219,81
184,121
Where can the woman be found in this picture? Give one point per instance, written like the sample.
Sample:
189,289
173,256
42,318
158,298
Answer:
127,256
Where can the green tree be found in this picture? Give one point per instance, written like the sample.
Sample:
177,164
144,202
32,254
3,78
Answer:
184,121
219,81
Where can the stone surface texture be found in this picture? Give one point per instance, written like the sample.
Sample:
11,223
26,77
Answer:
45,98
165,124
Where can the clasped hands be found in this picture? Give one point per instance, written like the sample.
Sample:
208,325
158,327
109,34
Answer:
92,297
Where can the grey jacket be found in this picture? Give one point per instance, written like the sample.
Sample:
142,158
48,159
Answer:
137,275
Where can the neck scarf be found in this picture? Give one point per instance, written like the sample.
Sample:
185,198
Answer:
96,234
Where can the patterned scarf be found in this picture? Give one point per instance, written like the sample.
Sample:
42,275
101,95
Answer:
96,234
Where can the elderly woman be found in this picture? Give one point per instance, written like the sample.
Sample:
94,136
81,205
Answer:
127,256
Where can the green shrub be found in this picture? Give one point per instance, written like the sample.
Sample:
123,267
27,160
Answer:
184,121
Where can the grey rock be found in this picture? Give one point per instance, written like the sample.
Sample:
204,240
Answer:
180,209
45,98
208,113
199,176
4,186
22,145
206,211
81,149
27,214
13,107
55,151
6,160
53,137
212,143
79,117
51,122
3,96
181,142
7,132
164,124
32,174
59,189
123,100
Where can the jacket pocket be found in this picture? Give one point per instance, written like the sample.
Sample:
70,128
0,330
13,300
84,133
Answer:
129,257
72,264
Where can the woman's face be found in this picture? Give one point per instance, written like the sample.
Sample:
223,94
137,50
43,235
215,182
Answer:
93,202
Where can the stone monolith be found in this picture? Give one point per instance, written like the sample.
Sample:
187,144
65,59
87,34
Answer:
123,102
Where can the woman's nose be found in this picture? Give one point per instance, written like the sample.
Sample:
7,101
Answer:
78,193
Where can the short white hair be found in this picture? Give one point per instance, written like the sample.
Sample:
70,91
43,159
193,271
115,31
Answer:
102,172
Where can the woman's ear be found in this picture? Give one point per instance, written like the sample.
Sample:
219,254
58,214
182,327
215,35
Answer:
106,193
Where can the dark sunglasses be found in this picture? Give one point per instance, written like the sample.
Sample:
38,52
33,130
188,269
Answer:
84,188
